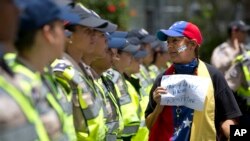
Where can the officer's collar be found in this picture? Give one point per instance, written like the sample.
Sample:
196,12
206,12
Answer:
26,63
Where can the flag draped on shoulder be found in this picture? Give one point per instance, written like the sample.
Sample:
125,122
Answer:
184,124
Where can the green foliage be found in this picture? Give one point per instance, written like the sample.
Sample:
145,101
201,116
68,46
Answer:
115,11
208,47
207,21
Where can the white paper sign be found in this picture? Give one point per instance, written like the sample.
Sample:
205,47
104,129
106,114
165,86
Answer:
184,90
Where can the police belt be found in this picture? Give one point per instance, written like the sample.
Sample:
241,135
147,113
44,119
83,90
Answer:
93,110
111,137
125,99
130,129
112,126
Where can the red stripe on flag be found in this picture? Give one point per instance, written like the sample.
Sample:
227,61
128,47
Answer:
163,128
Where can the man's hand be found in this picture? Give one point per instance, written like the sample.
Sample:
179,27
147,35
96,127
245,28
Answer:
157,94
225,126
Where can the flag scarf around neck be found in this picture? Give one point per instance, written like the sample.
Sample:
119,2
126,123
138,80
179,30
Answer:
203,125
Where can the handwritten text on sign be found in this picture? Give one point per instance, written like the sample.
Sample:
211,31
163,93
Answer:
184,90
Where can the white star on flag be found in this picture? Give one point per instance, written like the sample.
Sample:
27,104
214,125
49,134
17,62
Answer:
187,123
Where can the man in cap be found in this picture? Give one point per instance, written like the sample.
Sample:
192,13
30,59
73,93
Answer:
134,68
224,54
34,39
136,61
167,117
137,80
105,62
39,42
99,50
22,120
15,107
86,43
114,119
146,41
238,80
127,95
145,82
237,77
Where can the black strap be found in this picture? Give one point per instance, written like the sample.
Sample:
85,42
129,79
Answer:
5,66
110,86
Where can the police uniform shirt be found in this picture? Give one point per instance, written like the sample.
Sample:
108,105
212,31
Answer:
39,90
13,122
11,115
223,55
235,77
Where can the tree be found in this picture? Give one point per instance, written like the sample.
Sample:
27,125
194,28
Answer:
115,11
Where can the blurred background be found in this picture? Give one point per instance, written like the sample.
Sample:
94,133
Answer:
211,16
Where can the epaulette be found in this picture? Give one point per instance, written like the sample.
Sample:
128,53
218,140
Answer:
153,68
60,65
113,75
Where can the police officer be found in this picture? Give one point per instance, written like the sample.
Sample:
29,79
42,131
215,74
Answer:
145,40
114,119
228,50
143,75
70,70
127,95
142,133
19,118
238,80
39,42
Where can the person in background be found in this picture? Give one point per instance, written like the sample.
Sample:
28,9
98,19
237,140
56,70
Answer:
224,54
238,80
180,121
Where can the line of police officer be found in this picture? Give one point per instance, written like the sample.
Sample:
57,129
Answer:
92,85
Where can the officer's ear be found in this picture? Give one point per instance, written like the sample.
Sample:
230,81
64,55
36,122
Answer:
115,55
47,33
